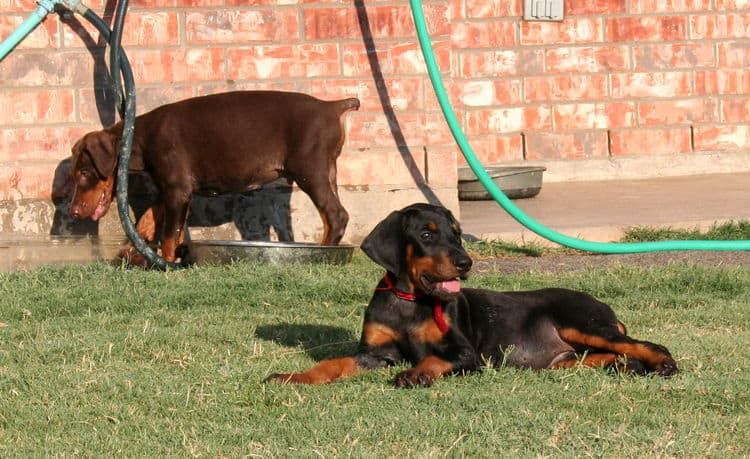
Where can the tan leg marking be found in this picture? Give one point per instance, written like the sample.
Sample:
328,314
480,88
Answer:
324,372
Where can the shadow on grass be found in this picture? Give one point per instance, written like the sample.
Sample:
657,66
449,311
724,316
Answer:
318,341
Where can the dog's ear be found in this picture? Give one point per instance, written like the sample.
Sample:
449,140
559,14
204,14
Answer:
384,245
453,222
102,148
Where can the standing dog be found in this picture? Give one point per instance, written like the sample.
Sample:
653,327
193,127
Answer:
222,143
420,314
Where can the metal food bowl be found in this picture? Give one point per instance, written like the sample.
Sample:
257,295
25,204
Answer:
515,181
209,252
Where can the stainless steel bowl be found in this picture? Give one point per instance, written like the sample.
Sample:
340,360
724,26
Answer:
278,253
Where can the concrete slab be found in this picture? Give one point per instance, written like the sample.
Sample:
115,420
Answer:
601,210
597,211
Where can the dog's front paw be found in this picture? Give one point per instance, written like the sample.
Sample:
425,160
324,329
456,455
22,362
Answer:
131,258
413,378
667,367
185,256
633,366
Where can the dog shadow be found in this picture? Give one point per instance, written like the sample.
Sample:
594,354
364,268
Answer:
318,341
62,189
257,214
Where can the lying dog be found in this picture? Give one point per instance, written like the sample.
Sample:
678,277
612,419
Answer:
419,313
222,143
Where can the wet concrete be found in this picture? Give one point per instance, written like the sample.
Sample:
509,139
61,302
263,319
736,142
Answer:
28,253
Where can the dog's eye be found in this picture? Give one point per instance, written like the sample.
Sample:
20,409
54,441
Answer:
426,236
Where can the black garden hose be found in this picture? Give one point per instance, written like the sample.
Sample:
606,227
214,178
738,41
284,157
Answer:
115,54
119,64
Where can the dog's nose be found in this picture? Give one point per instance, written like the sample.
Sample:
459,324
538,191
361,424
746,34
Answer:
463,263
75,212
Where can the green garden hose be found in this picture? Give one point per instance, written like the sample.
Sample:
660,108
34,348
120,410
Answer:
44,7
507,204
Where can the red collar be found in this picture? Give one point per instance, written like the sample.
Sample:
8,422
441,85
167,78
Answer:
437,307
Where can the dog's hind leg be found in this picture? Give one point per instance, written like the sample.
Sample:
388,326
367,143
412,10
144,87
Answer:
600,359
323,194
656,357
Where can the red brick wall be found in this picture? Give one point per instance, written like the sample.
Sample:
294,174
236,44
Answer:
616,78
640,77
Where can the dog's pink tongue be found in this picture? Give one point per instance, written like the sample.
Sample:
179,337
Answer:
100,210
101,207
451,286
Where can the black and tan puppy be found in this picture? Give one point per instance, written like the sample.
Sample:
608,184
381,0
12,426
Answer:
420,314
222,143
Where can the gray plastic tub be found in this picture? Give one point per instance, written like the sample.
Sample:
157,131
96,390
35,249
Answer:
516,182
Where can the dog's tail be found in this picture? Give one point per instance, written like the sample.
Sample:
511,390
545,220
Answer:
344,105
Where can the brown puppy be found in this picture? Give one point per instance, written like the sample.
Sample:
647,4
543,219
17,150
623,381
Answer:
222,143
420,314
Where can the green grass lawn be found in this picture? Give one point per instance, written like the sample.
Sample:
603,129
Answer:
98,361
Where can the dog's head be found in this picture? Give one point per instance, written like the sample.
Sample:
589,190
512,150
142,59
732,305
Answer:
421,245
94,159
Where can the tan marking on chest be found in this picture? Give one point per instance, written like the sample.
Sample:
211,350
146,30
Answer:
428,331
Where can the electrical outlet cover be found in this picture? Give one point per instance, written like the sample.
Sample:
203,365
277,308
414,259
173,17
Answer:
543,10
